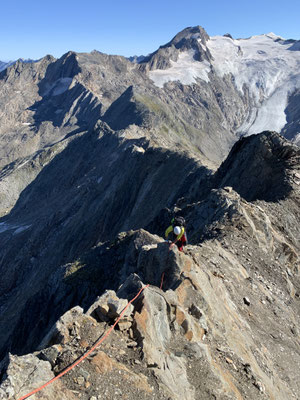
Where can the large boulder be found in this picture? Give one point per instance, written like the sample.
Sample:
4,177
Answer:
27,373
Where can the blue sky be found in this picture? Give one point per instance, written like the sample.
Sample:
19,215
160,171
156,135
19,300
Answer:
32,29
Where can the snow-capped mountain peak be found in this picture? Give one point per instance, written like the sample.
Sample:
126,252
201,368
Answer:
272,35
263,66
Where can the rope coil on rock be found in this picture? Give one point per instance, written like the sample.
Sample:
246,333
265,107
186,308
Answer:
87,353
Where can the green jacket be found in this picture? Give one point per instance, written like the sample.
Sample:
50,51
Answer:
170,229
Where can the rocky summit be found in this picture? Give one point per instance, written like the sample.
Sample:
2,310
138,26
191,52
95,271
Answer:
98,154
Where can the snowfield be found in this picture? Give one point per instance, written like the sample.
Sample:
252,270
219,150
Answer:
267,65
185,70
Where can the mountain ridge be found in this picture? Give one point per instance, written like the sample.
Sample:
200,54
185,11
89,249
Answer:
218,226
95,161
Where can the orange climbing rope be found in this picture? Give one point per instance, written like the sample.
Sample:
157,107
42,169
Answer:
87,353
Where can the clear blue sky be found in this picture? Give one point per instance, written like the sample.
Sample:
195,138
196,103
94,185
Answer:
32,29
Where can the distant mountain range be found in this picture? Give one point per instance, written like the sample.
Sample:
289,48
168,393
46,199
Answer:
264,70
137,59
4,65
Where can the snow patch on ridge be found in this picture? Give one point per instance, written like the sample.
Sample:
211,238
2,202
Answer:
58,87
61,86
186,70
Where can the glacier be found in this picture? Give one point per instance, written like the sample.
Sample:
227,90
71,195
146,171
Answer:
265,65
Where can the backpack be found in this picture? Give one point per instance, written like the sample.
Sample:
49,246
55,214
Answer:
178,221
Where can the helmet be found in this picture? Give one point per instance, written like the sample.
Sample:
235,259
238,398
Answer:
177,230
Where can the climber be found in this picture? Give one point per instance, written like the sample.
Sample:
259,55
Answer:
177,230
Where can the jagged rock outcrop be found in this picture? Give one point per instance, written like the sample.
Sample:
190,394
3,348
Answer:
267,167
225,323
24,374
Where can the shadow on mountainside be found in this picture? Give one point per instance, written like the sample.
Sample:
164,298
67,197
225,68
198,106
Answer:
97,187
64,102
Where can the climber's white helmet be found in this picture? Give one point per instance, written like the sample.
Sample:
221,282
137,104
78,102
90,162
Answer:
177,230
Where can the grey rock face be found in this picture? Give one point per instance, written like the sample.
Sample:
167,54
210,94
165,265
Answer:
156,336
264,171
185,40
291,130
110,306
35,373
165,261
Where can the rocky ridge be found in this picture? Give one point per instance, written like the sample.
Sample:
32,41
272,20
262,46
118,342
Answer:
225,323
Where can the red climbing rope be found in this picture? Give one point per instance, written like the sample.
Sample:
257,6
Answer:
87,353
